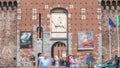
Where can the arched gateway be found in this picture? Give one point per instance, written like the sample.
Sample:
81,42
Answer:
58,49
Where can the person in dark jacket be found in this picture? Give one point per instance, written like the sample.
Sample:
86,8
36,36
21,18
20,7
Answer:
68,61
89,60
116,61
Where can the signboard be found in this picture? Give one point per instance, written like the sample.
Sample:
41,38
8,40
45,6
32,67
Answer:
25,39
59,35
85,40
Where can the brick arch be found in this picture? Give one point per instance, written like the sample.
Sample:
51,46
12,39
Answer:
58,48
0,4
59,9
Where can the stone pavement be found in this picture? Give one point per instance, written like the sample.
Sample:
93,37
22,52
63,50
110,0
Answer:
34,67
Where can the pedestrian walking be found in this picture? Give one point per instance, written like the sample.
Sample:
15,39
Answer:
89,60
116,61
72,62
56,61
68,61
22,62
77,62
40,56
45,62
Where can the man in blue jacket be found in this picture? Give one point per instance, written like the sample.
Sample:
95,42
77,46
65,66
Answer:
89,60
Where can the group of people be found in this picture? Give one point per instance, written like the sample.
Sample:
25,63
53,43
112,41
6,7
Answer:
73,62
56,61
70,61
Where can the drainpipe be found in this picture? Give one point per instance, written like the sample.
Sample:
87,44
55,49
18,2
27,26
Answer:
40,30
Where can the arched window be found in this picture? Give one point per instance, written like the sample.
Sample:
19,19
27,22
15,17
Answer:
118,3
15,3
0,4
5,4
114,4
103,4
108,3
10,3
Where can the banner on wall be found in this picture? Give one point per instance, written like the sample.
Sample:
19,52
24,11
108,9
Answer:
25,39
85,40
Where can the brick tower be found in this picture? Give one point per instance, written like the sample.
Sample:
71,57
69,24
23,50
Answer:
8,32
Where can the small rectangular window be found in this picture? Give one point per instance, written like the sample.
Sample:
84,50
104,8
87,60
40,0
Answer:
83,10
34,10
83,17
18,10
18,17
99,17
34,17
99,10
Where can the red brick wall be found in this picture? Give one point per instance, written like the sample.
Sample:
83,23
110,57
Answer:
77,24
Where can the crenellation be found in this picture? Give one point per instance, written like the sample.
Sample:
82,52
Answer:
4,5
111,5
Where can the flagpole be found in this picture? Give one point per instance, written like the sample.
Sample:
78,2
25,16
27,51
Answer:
109,43
109,39
118,36
111,23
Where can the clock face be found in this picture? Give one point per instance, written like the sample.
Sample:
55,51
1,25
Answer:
59,22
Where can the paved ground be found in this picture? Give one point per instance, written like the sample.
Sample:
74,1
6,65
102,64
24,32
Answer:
34,67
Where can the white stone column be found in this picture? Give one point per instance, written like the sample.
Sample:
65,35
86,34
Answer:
100,47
